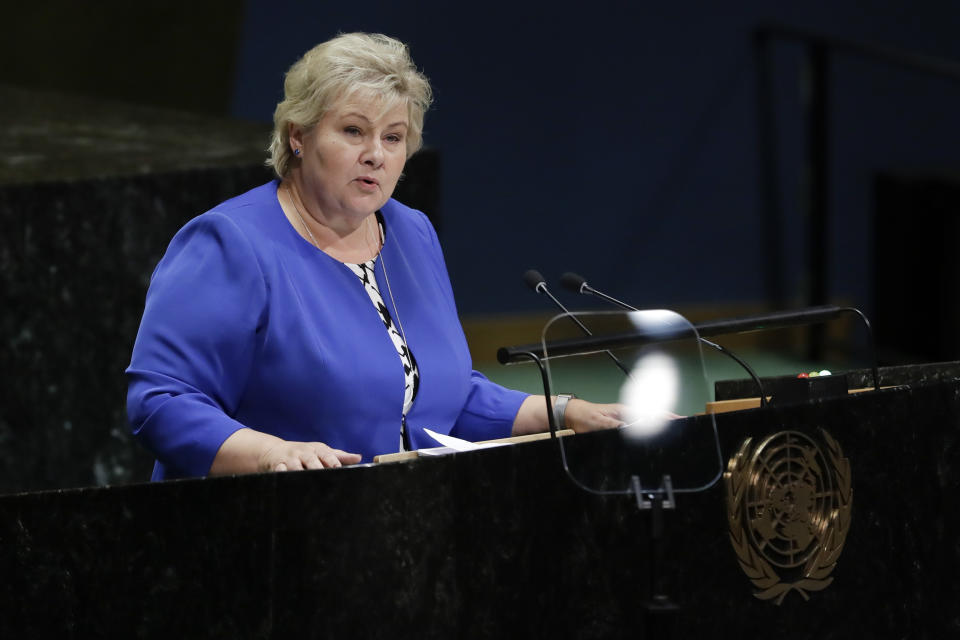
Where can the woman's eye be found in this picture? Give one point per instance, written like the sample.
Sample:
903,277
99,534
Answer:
394,137
352,131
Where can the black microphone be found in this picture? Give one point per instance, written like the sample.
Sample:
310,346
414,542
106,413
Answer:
573,282
578,284
538,283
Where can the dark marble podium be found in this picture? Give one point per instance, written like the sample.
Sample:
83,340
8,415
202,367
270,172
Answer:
91,191
492,544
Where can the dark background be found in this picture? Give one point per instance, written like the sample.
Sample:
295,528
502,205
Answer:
619,140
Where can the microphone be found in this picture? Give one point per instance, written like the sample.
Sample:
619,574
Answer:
538,284
536,281
578,284
573,282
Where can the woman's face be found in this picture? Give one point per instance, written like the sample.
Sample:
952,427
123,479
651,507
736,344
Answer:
351,160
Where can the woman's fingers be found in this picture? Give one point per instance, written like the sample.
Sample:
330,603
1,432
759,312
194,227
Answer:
292,463
312,459
347,458
327,455
607,422
587,416
295,456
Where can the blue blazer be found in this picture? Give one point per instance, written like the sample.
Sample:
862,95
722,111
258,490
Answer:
246,324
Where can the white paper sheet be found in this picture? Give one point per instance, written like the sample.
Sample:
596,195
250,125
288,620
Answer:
451,444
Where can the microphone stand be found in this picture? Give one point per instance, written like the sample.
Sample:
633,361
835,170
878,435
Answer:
658,608
538,284
577,284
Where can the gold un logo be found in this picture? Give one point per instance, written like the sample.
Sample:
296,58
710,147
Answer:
788,507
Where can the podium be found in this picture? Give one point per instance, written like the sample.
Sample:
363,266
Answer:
494,543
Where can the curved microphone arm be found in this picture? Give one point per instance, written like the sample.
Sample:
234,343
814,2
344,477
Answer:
578,284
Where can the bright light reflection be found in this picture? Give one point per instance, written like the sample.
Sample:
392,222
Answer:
656,321
650,394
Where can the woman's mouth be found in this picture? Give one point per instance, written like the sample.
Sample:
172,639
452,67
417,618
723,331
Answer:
367,184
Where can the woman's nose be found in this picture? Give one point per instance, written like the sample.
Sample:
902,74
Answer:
373,153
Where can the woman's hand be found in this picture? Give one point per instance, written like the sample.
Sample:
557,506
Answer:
583,416
249,451
580,415
294,456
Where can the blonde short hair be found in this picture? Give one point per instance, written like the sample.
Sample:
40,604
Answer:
366,63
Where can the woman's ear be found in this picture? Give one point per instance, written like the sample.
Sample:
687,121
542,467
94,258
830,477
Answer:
295,135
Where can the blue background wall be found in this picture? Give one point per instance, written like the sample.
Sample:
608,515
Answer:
619,139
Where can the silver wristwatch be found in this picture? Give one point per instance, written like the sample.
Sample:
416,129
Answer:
560,409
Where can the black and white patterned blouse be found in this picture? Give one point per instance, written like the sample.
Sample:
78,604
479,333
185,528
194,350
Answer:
364,271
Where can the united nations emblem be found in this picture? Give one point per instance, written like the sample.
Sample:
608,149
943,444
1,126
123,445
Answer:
788,507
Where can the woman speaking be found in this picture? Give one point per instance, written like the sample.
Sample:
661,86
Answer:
310,322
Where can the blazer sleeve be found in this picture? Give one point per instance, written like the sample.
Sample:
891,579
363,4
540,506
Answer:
489,410
196,344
